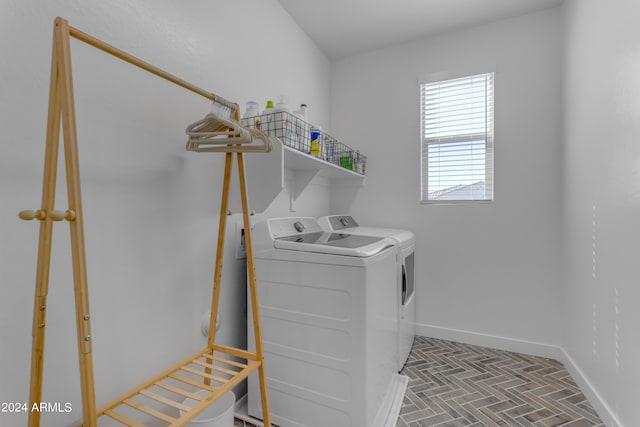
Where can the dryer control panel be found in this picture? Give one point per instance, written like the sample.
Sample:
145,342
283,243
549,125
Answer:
340,222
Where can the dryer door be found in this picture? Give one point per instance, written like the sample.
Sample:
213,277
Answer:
408,286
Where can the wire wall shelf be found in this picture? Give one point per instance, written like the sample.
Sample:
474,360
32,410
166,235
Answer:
302,136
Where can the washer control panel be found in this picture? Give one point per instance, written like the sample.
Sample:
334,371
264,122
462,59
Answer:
284,227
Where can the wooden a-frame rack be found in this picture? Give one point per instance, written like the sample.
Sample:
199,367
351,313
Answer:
203,377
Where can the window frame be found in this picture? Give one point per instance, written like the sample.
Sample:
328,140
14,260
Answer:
489,142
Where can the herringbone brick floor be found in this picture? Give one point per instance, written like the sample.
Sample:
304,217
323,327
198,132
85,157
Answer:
453,384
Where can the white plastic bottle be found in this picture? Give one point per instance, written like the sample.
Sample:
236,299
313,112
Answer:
302,128
252,113
268,107
283,104
252,110
284,123
302,112
268,121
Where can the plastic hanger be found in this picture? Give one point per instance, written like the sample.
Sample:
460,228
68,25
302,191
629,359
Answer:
260,143
213,129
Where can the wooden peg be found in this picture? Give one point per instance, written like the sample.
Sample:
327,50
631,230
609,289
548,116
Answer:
29,215
69,215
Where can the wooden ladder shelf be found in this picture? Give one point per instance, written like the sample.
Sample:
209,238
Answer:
203,377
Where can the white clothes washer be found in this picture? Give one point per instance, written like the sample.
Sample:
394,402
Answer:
329,326
406,283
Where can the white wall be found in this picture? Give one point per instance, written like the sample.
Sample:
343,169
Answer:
151,208
488,269
602,200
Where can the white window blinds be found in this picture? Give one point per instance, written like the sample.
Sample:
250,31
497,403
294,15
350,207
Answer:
457,139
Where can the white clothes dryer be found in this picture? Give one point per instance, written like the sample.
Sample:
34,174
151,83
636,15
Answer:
329,326
406,283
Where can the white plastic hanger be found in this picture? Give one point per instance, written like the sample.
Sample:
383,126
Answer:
213,129
217,132
260,143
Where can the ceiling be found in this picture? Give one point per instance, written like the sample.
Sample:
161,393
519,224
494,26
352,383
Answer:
347,27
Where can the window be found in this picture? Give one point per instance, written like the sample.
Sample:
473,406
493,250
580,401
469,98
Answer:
457,138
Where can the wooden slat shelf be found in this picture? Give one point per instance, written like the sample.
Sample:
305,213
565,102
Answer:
167,391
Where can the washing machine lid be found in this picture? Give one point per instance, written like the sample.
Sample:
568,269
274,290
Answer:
306,234
346,224
334,243
404,237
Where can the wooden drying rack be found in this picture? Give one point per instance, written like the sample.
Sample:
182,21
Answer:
207,372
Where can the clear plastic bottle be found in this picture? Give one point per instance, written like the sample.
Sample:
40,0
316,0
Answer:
330,152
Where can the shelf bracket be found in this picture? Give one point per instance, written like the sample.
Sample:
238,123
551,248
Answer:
301,180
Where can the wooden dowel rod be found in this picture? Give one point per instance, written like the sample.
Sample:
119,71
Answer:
178,391
226,361
253,287
44,245
105,47
150,411
243,354
76,228
205,375
222,224
215,368
191,382
165,400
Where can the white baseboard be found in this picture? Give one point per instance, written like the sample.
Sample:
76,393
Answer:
492,341
532,348
596,400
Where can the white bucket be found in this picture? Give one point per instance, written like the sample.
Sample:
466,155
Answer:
218,414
